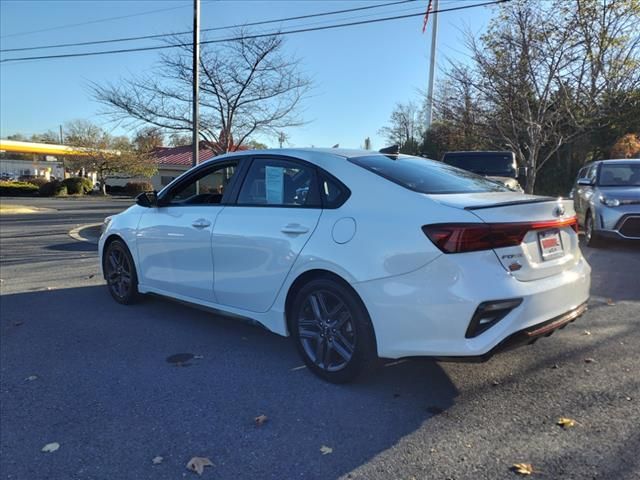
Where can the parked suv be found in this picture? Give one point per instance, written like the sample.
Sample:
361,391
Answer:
606,198
500,167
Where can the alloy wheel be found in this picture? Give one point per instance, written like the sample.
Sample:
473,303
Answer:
588,229
326,330
119,272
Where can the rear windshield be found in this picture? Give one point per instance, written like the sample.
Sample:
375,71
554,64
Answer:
498,165
426,176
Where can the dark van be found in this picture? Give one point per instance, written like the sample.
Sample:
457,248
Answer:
497,166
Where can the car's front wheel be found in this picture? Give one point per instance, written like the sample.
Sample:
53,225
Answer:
332,330
120,273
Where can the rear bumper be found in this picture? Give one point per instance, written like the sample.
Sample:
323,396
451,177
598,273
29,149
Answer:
526,336
427,312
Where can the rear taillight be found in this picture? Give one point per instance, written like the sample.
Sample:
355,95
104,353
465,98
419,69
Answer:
471,237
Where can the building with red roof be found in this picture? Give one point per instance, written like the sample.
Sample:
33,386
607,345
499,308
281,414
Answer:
172,162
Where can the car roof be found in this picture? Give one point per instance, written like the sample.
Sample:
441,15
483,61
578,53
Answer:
616,160
305,152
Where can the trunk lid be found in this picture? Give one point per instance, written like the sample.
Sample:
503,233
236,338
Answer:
547,249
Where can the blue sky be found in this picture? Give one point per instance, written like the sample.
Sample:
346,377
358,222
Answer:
359,72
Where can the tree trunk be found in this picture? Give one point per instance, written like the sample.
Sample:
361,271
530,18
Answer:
531,179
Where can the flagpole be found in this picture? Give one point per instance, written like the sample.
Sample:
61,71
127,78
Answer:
195,134
432,63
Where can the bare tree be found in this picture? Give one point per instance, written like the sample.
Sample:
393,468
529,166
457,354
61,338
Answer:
105,154
405,127
542,72
247,87
148,139
179,139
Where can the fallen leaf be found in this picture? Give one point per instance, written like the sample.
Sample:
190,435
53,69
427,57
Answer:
555,366
522,468
51,447
610,302
326,450
586,332
197,464
157,460
31,378
261,420
566,422
590,360
495,383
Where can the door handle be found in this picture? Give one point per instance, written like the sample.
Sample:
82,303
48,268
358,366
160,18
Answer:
294,228
201,223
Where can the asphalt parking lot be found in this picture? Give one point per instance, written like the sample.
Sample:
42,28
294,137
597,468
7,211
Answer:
80,370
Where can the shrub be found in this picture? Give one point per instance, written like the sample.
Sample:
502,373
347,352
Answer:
53,188
134,188
17,189
38,181
78,185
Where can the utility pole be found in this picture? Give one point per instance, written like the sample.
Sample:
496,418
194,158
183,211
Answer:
282,137
432,63
196,84
61,137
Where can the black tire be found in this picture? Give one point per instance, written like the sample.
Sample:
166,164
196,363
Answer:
591,237
120,273
332,330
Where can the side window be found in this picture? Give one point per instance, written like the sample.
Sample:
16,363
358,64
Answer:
279,183
206,188
333,193
591,174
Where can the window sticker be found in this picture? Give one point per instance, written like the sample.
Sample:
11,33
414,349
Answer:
274,182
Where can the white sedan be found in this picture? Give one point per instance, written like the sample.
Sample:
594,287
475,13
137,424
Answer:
355,254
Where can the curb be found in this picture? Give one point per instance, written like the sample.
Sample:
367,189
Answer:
84,233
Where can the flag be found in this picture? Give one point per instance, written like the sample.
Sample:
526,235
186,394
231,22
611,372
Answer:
426,15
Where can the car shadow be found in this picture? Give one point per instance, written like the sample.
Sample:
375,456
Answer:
74,246
109,387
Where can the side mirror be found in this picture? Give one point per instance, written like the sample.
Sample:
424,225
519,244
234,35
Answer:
147,199
584,182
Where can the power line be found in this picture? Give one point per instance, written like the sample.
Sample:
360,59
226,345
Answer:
161,35
259,35
91,22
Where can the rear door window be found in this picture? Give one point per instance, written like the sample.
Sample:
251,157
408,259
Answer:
279,182
426,176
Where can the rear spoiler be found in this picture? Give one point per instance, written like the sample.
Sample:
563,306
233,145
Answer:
515,202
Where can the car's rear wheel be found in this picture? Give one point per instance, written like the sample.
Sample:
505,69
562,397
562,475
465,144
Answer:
591,237
120,273
332,330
